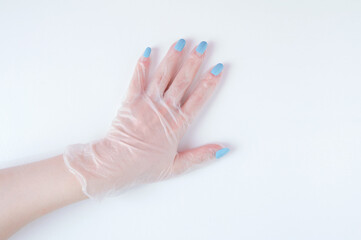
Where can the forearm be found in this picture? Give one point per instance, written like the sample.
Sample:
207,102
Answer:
30,191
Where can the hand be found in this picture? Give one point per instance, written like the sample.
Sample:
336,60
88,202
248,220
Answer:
142,144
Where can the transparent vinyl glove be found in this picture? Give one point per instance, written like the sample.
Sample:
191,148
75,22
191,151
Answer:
142,144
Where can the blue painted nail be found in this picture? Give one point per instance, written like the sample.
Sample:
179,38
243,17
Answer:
217,69
202,47
147,52
180,45
220,153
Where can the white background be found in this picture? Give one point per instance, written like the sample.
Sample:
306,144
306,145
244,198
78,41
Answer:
289,107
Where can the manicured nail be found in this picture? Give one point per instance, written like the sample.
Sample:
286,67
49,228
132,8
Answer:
220,153
202,47
217,69
180,45
147,52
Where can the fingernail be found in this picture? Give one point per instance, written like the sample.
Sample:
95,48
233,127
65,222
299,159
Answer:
180,45
147,52
220,153
217,69
202,47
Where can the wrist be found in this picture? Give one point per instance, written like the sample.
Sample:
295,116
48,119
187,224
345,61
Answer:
97,166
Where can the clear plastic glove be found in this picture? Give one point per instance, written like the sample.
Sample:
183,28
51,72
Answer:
142,144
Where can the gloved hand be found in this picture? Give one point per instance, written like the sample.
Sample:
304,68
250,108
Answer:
142,143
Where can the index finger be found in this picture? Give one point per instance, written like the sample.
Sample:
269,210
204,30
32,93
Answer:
202,92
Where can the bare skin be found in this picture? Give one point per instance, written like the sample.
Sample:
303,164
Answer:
30,191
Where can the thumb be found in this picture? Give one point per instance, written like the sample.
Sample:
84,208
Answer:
192,158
